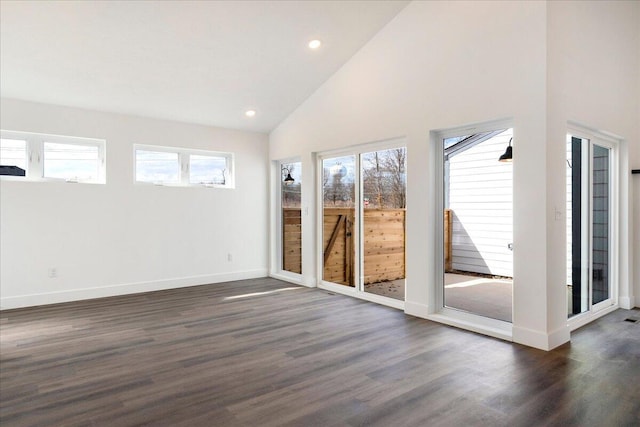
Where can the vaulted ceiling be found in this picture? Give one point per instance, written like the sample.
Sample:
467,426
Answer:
202,62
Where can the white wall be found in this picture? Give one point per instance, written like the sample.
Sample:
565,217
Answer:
123,237
439,65
594,69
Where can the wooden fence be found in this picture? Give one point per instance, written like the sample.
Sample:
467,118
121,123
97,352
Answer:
384,244
448,223
292,240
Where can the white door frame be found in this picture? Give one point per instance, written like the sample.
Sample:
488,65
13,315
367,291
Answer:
438,312
358,290
611,143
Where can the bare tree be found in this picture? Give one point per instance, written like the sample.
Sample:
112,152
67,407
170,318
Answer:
384,178
395,163
337,192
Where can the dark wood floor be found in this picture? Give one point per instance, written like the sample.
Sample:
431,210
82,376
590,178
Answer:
216,356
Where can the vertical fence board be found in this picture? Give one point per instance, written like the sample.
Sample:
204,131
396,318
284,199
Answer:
384,244
448,263
292,240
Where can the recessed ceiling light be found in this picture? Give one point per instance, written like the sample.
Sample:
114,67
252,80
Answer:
314,44
250,113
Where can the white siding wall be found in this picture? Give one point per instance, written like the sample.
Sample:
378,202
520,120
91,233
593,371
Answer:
481,198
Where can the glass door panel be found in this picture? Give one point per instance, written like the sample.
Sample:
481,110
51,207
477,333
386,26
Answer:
383,217
338,219
577,226
291,197
600,224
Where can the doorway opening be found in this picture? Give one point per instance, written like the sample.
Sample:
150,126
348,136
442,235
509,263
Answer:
478,223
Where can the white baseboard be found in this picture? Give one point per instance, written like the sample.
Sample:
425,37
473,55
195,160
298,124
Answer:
309,282
530,337
351,292
541,340
31,300
558,337
627,302
296,279
415,309
580,320
474,323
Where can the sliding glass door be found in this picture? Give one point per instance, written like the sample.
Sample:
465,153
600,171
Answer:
363,221
590,229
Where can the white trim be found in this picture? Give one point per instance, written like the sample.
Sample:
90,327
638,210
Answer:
287,276
276,261
309,282
574,126
582,319
435,138
471,128
125,289
367,296
475,323
416,309
319,249
558,337
467,321
367,147
18,134
591,137
358,226
626,302
541,340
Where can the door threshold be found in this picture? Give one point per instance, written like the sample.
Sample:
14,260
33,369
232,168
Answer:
353,292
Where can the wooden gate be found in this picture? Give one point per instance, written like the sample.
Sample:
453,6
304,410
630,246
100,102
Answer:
339,248
384,244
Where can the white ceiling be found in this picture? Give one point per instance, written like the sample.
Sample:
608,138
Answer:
202,62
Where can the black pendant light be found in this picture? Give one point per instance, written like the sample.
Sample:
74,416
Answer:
288,180
508,154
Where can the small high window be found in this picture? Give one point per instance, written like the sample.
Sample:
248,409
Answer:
183,167
38,157
13,157
159,167
72,162
207,170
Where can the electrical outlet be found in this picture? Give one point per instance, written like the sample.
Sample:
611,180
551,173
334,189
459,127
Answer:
229,257
52,272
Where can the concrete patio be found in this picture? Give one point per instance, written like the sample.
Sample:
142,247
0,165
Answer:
484,296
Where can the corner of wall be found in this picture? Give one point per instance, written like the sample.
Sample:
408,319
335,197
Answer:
541,340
